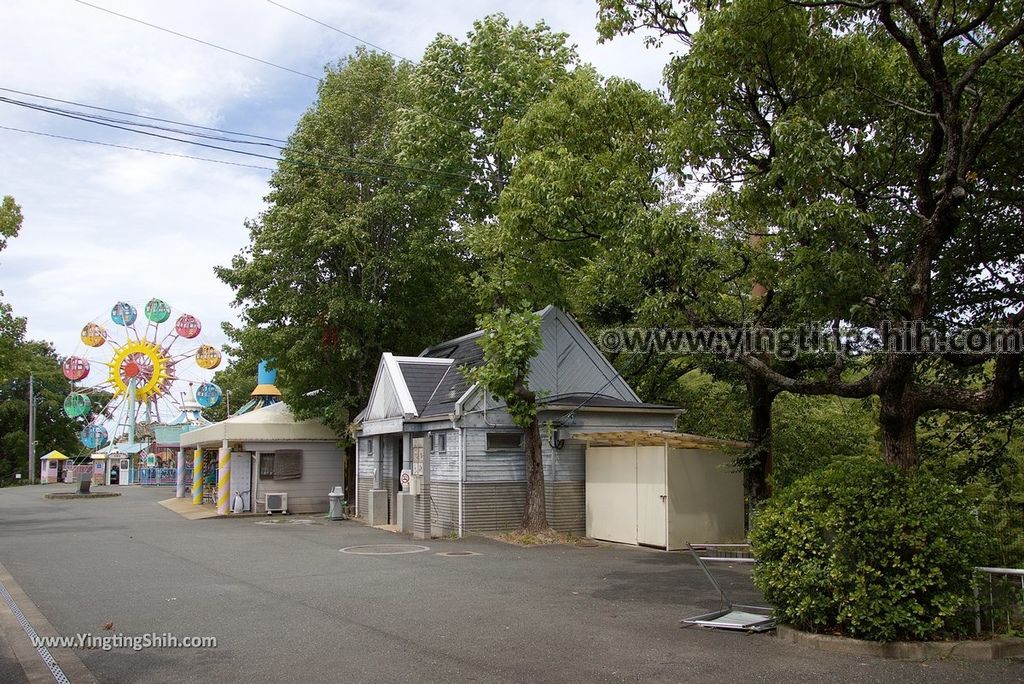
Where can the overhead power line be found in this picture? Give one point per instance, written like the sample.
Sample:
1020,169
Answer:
344,33
134,149
199,40
438,117
280,160
138,116
131,126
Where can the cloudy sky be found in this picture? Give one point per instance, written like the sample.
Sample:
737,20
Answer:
104,224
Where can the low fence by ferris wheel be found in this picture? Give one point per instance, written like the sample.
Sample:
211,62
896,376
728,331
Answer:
162,477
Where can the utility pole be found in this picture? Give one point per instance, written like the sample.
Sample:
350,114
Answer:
31,430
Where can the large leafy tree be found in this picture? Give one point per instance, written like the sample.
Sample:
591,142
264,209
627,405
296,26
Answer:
465,96
869,146
469,96
348,261
587,166
54,430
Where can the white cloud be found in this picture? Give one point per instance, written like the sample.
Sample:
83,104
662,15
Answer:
105,224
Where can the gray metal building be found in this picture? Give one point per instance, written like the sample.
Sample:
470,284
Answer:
464,454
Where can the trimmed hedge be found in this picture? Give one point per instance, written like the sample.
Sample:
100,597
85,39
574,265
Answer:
863,550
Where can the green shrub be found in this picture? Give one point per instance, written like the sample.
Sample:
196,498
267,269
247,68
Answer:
863,550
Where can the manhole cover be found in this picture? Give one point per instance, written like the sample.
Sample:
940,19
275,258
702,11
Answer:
384,549
458,553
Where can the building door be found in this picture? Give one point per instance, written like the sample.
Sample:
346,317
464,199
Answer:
651,496
241,479
611,504
396,474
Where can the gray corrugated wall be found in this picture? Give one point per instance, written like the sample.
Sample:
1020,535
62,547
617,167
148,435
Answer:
560,465
364,464
444,466
444,498
567,464
323,469
364,485
499,506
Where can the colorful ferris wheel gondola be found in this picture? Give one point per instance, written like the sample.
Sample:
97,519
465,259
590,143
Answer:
141,369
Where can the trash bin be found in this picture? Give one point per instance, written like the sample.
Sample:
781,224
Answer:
337,498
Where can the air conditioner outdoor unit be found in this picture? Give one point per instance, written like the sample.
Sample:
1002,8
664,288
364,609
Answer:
277,503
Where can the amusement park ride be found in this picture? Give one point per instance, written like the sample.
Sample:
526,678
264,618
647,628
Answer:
143,368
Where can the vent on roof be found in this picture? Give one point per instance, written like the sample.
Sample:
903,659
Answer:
443,352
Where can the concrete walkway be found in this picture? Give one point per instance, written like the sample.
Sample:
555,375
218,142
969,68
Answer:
186,509
285,604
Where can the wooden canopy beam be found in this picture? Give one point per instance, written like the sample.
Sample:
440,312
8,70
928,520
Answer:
676,440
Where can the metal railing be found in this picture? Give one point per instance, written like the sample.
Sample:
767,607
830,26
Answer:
1005,522
1004,612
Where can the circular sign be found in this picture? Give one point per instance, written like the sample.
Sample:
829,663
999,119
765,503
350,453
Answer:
405,478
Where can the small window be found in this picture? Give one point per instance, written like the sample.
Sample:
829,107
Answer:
438,442
266,466
504,440
281,465
367,447
288,465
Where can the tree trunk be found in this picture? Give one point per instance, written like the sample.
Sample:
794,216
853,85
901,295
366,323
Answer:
535,517
761,397
898,422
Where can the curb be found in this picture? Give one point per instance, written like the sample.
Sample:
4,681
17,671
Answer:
20,619
992,649
69,496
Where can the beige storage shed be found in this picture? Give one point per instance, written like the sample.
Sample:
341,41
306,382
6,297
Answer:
662,489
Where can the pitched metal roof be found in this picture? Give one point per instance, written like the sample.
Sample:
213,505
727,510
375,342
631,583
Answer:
422,379
601,401
435,388
464,352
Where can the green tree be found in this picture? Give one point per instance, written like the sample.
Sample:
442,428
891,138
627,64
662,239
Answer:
869,144
54,430
468,97
10,220
510,341
465,95
347,262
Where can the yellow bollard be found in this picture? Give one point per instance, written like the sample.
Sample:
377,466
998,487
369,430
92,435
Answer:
197,477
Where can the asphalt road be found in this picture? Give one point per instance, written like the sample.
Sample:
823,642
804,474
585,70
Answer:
286,605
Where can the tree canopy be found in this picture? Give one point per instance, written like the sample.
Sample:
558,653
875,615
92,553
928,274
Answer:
346,263
865,145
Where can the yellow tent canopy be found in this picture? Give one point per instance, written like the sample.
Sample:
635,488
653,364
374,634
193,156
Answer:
54,456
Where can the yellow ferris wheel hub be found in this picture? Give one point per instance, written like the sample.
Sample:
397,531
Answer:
144,362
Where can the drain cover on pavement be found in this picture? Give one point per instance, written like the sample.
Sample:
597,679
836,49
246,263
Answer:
458,553
384,549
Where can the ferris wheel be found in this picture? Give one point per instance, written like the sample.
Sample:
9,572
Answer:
141,363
